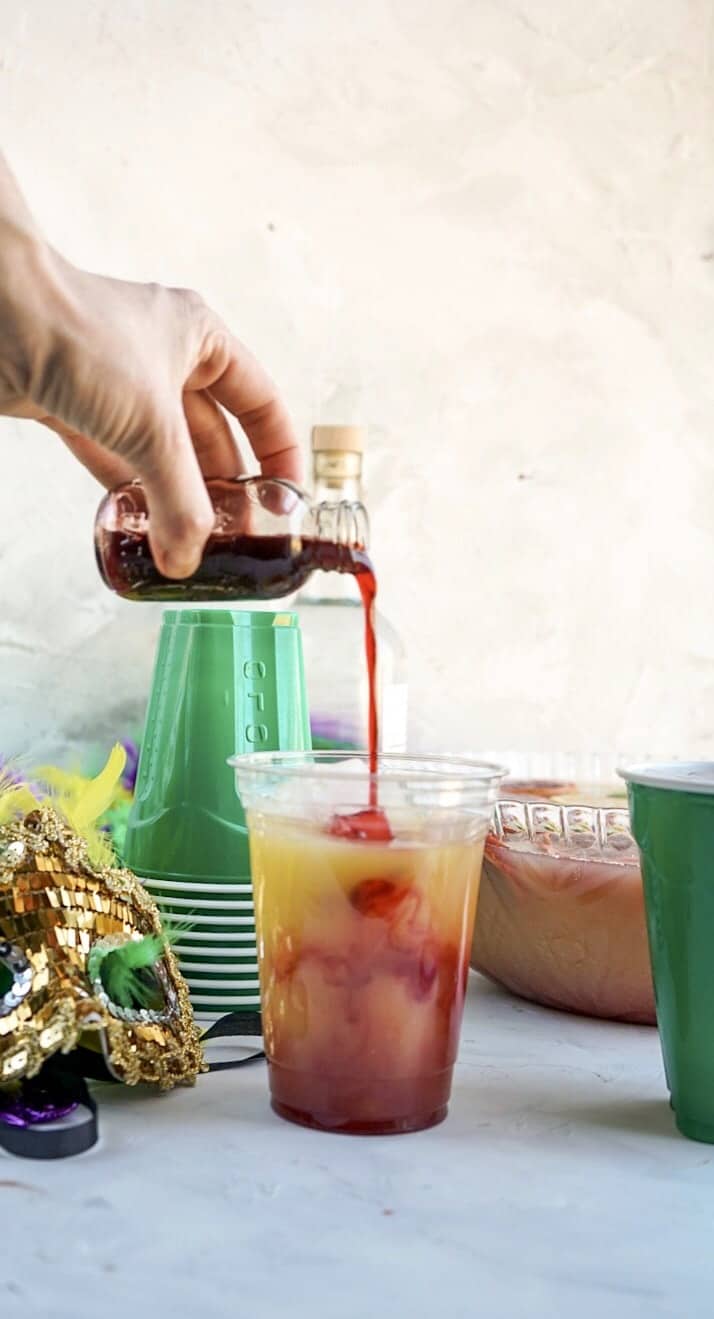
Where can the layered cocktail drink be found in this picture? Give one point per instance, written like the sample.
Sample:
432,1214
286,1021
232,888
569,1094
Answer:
365,890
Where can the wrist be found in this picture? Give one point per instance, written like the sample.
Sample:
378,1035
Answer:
24,258
30,296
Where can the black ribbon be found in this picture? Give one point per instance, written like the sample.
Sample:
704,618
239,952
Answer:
62,1083
247,1022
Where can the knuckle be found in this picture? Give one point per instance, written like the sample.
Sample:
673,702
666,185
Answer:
191,525
192,302
157,298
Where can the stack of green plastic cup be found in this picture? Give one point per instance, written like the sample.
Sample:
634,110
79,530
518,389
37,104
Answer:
225,682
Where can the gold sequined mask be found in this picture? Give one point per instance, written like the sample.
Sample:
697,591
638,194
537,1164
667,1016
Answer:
60,915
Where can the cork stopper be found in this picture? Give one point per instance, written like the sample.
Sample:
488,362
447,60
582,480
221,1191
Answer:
338,439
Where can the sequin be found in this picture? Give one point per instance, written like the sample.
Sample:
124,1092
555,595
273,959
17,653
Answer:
54,907
12,853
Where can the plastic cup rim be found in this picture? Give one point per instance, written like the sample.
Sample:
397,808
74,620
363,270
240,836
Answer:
208,918
220,986
219,974
174,886
225,1002
428,771
239,938
672,776
222,959
184,906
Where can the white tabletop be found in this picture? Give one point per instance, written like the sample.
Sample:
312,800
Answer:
558,1186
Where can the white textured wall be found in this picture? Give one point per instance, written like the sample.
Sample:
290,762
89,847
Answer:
484,227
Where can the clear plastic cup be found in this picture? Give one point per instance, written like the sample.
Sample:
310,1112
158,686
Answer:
365,890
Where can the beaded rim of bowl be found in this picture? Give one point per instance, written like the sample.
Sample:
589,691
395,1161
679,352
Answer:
596,832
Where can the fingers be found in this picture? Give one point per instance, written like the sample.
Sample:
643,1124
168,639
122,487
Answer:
213,440
243,387
168,428
210,432
180,512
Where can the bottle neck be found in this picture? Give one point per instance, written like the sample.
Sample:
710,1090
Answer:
337,475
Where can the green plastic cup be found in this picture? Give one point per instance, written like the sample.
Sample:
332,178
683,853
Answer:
225,681
672,814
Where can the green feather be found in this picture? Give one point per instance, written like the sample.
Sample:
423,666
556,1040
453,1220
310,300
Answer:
171,928
125,972
128,972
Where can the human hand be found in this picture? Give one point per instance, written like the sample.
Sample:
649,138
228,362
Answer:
134,378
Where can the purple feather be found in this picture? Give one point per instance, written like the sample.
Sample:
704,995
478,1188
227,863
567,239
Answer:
128,778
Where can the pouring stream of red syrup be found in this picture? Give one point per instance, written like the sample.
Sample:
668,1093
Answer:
367,584
370,825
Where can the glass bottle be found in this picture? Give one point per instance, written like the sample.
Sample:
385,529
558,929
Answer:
332,621
267,539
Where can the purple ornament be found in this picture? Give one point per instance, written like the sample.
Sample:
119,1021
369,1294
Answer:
17,1110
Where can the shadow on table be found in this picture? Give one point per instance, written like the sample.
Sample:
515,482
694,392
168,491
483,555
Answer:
537,1110
511,1094
243,1092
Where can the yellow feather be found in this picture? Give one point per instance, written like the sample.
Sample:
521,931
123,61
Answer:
80,801
98,794
16,800
99,849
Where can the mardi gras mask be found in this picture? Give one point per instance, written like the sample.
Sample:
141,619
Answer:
89,986
83,958
62,923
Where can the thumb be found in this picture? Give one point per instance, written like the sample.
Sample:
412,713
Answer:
180,511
